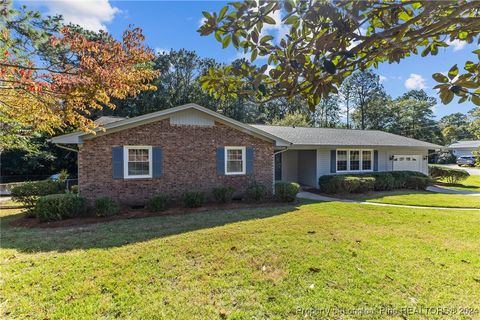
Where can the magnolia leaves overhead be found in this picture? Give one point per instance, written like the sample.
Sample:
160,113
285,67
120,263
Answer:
320,43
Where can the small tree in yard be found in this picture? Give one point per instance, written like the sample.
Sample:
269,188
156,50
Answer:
476,154
52,75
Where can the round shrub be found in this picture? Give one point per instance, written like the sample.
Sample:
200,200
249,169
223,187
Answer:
193,199
28,193
451,175
158,203
105,207
256,192
74,189
286,192
223,194
59,206
417,183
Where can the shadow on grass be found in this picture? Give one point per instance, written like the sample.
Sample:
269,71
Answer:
121,232
380,194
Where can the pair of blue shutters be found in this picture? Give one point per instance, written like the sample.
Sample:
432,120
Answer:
117,157
333,161
221,160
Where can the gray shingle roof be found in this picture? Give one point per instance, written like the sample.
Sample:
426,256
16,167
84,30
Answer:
342,137
466,144
106,120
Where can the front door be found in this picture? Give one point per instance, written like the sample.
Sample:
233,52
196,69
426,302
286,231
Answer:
278,167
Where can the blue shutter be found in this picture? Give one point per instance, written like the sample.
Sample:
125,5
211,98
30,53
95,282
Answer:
249,157
333,161
221,161
157,162
117,162
375,160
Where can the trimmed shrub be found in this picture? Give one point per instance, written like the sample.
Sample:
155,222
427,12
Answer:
378,181
223,194
106,207
74,189
256,192
193,199
158,202
417,183
28,193
451,175
59,206
286,192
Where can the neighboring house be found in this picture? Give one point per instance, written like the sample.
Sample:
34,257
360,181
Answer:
191,148
464,148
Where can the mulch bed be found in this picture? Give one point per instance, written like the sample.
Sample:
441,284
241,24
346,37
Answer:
139,213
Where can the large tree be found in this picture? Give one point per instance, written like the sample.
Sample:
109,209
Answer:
455,127
326,41
54,75
412,116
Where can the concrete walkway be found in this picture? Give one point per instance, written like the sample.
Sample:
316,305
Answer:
440,189
317,197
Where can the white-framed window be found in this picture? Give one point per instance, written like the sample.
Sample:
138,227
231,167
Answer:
137,162
235,160
352,160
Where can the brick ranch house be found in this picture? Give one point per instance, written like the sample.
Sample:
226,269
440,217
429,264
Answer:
191,148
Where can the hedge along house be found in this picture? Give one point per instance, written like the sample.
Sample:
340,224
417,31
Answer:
191,148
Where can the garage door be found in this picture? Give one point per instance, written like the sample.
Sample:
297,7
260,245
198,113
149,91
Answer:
407,162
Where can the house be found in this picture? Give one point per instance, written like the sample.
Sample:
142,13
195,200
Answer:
464,148
189,148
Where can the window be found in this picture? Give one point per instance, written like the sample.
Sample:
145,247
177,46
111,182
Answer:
342,160
235,160
354,160
366,160
137,162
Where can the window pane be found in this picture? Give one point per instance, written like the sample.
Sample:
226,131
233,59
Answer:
138,168
354,160
234,160
341,160
366,160
234,166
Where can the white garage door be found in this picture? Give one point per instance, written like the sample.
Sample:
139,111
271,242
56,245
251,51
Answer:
407,162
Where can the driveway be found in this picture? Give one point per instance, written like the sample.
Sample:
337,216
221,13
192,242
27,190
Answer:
472,171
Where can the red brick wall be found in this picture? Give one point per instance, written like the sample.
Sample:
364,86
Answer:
189,161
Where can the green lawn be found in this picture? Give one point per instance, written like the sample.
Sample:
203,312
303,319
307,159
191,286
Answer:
245,263
472,183
421,198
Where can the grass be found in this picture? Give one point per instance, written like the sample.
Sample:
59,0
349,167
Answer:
472,183
421,198
245,263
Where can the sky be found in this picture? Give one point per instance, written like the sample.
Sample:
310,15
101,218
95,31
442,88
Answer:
172,25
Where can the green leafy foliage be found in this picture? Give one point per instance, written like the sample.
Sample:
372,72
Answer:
376,181
158,203
223,194
106,207
193,199
256,192
450,175
28,193
326,41
59,206
286,191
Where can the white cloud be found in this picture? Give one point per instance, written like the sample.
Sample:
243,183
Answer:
201,21
457,44
415,82
382,78
89,14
